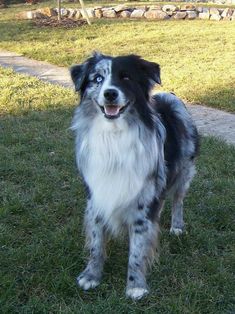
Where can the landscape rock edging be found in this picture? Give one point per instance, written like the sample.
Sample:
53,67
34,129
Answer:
157,12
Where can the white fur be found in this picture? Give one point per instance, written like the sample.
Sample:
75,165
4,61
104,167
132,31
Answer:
107,84
176,231
87,284
136,293
116,168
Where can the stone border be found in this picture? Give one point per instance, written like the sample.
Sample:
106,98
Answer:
159,12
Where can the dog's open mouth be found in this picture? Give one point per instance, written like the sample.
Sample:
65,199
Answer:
112,111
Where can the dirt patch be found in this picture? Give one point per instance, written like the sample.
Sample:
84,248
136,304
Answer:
53,22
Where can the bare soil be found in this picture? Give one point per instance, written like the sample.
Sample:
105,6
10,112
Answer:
53,22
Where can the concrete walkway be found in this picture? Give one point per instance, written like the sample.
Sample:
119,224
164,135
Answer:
209,121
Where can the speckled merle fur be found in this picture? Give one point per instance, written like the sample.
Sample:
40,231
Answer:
132,150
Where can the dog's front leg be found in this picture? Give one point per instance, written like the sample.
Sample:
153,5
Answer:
143,245
91,276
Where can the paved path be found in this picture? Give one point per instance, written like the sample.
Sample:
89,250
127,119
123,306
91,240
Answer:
209,121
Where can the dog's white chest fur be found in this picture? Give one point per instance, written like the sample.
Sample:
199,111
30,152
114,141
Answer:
117,166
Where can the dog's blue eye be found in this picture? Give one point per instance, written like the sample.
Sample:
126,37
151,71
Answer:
98,79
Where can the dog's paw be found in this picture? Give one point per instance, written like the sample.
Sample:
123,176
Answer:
86,281
176,231
136,293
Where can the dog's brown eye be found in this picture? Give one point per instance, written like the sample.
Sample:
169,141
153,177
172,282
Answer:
125,77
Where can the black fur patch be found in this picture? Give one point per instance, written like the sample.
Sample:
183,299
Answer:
176,131
136,77
153,209
98,219
139,222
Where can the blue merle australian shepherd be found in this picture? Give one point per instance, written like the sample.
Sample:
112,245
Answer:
132,150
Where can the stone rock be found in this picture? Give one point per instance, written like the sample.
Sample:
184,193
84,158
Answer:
227,13
137,13
187,7
78,15
204,15
72,13
191,15
29,15
227,18
36,15
22,15
98,13
180,15
155,7
214,11
109,14
90,13
199,9
47,11
121,7
215,17
169,8
143,7
125,14
205,10
64,12
156,14
106,8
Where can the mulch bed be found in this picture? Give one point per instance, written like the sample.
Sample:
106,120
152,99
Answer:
53,22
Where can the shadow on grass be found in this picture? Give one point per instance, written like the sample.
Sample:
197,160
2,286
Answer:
218,97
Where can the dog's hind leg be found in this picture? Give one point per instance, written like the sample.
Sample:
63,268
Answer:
180,190
95,242
177,220
143,245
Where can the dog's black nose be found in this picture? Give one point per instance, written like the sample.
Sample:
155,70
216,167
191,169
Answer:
110,94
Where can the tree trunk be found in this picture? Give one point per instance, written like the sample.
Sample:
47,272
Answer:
85,11
59,10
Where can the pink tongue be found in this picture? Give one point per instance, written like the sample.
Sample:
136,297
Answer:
111,110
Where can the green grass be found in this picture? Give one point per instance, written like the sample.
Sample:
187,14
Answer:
41,213
196,57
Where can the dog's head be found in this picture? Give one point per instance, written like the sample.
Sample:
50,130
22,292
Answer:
116,85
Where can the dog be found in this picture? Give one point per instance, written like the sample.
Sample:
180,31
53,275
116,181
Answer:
132,150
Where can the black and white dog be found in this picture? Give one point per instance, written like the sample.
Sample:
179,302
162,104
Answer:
132,150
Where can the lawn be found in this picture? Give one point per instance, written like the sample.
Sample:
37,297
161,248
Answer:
41,212
196,57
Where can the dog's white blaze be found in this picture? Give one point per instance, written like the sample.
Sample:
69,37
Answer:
117,168
107,84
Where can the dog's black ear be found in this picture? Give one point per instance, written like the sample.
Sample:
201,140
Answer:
78,74
153,71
